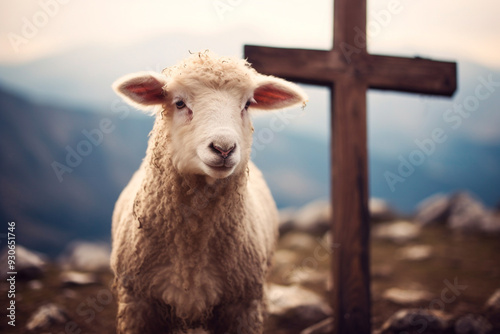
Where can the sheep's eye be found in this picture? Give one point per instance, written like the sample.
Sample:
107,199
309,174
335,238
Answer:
247,105
180,104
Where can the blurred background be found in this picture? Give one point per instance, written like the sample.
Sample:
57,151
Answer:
59,178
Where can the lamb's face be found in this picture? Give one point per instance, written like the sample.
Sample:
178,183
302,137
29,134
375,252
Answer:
210,128
203,105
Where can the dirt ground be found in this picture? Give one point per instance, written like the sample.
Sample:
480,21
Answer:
470,261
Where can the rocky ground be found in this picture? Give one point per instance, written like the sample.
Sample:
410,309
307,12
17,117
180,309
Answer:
438,272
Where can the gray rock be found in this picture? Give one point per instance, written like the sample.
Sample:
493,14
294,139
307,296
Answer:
468,213
434,209
296,307
28,264
493,225
415,252
380,210
314,218
406,297
398,232
308,277
45,316
416,321
324,327
78,278
460,211
493,302
282,298
286,220
298,241
473,324
86,256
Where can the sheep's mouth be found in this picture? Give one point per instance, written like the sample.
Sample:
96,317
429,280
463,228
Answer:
221,164
222,168
221,171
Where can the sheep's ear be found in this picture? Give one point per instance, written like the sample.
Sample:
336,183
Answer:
275,93
142,89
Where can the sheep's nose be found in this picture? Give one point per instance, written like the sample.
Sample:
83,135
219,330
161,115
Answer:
224,152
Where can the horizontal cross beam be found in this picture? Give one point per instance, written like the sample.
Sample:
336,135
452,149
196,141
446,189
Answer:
321,67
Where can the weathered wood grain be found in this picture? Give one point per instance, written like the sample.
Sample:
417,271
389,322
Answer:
320,67
349,71
350,260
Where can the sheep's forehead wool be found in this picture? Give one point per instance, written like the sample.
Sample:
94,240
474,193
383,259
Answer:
212,71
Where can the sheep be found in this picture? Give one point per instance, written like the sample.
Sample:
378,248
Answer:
194,230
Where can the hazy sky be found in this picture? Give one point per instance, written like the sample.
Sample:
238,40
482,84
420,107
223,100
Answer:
445,28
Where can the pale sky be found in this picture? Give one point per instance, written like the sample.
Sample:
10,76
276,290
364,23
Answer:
450,29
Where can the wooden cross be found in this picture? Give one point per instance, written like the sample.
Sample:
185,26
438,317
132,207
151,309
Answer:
349,71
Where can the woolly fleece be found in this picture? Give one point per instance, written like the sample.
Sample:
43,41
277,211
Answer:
188,253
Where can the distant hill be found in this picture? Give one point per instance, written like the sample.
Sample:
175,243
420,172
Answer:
49,213
39,121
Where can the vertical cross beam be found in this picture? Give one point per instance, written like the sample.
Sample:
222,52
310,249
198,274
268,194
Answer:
349,200
349,17
349,179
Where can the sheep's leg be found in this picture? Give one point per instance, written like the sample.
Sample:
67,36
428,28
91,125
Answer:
239,319
138,316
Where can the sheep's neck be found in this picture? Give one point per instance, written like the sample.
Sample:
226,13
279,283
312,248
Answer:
189,200
199,225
